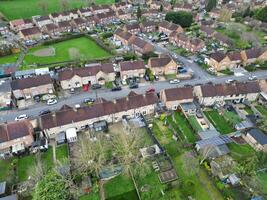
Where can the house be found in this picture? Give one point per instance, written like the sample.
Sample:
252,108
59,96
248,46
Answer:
5,95
141,47
223,40
162,65
148,26
84,76
80,23
24,90
119,6
195,45
257,139
169,27
65,26
123,15
100,126
15,137
209,94
106,17
30,33
125,37
135,68
20,24
183,7
59,17
52,29
235,58
254,54
41,21
218,61
91,21
132,28
153,14
97,9
173,97
111,111
209,32
74,14
85,12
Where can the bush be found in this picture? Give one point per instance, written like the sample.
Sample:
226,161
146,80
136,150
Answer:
185,19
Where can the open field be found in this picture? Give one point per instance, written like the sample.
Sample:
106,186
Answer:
79,48
14,9
218,121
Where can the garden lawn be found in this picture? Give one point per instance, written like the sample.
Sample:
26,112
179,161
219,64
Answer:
79,48
5,169
62,152
262,176
120,188
232,117
185,127
24,166
194,123
9,59
239,152
262,109
219,122
26,8
248,110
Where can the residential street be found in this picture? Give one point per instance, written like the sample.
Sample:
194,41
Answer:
109,95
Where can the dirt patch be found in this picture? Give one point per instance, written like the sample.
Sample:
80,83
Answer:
74,53
50,51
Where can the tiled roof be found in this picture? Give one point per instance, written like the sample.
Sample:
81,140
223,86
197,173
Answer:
175,94
20,84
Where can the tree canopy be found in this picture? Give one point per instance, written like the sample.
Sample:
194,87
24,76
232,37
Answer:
185,19
210,4
51,187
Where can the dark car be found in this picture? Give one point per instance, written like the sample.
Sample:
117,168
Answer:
44,112
96,86
116,89
133,85
89,100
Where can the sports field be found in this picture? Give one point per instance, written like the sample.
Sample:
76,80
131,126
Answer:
73,49
14,9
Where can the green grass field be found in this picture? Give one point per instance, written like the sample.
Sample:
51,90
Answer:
219,122
14,9
232,117
73,49
239,152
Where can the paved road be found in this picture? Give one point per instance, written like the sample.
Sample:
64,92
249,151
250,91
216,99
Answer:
107,94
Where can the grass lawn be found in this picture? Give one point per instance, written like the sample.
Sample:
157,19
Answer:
62,152
232,117
79,48
26,8
194,123
262,176
120,188
248,110
5,169
109,85
238,152
219,122
261,109
24,165
9,59
185,127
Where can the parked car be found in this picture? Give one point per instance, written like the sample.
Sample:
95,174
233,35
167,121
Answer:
89,100
96,86
150,90
44,112
174,81
133,85
51,101
72,91
21,117
252,78
118,88
229,81
77,106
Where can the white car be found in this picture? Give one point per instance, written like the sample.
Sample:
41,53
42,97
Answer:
174,81
229,81
21,117
252,78
51,101
77,106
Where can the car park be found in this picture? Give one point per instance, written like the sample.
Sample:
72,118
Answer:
51,101
174,81
21,117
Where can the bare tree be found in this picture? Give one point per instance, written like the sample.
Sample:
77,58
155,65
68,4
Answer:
91,156
43,6
64,4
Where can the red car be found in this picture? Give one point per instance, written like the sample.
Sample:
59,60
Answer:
150,90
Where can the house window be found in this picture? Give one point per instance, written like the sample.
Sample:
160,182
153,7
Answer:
144,112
